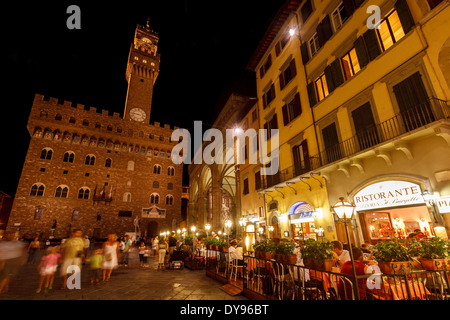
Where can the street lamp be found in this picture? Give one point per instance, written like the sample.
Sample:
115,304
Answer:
207,227
193,228
344,211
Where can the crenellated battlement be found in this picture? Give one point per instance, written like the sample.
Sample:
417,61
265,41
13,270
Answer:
42,102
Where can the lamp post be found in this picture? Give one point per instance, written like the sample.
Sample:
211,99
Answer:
207,227
344,211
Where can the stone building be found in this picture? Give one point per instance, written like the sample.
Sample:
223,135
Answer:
103,173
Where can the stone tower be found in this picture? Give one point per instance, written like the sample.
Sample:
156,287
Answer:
142,71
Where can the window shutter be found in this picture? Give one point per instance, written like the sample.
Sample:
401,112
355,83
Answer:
293,68
312,94
372,45
329,78
282,84
404,14
305,54
274,122
272,91
336,70
361,52
278,49
285,115
349,7
297,105
324,30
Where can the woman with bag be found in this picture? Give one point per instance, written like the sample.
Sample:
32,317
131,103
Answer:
110,252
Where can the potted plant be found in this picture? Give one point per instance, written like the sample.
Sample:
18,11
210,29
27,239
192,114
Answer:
434,254
209,241
392,256
317,254
189,240
263,249
284,252
224,245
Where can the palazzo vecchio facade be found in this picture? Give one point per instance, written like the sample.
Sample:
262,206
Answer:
102,173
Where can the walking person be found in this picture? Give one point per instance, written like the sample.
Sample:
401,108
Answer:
147,253
47,268
34,246
155,246
110,251
96,261
142,250
72,254
125,251
163,247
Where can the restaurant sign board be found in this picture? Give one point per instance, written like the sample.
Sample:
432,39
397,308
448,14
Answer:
444,204
387,194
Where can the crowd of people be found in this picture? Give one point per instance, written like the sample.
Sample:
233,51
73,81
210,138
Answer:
76,253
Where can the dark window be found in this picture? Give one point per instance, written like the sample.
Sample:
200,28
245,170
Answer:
42,169
126,214
266,66
269,96
37,191
65,171
258,180
170,186
246,190
46,154
155,184
90,160
58,117
364,122
108,163
301,158
98,125
85,123
331,142
170,171
72,120
169,200
288,74
61,192
292,110
83,193
157,169
306,10
255,115
154,199
281,44
271,125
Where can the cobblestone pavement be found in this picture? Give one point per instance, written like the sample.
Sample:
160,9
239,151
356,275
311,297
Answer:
125,284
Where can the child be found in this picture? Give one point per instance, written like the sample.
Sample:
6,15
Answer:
142,249
47,268
96,266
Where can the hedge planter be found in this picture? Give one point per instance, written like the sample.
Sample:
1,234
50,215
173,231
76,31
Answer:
435,264
398,268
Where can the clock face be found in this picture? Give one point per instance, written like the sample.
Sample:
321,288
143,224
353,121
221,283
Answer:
137,114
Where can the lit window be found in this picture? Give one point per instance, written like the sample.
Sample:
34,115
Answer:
390,30
350,64
322,87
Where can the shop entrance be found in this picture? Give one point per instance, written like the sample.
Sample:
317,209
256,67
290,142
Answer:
380,225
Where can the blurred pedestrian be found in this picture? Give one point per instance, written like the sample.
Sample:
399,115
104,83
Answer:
47,268
163,247
133,256
72,254
34,246
95,262
87,244
110,251
155,246
12,257
125,251
142,251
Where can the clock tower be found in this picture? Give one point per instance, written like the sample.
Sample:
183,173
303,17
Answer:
141,74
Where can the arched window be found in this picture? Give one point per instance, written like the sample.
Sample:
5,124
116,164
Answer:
72,120
58,117
43,114
86,123
155,184
61,192
69,156
154,198
98,125
169,200
37,190
170,171
83,193
90,160
109,128
127,197
157,169
46,154
108,163
130,166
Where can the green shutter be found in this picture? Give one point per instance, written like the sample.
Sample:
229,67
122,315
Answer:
312,94
404,14
372,45
361,53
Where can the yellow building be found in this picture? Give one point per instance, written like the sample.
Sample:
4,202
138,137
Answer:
362,113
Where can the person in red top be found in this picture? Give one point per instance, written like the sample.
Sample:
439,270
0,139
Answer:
345,290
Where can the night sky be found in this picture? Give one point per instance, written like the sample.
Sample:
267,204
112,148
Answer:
204,46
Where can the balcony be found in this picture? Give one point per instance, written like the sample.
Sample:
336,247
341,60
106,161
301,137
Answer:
426,113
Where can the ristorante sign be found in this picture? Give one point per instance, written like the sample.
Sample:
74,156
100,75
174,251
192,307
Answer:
388,194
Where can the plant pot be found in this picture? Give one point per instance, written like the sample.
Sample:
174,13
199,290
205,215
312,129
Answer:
326,265
435,264
224,249
217,248
398,267
210,247
309,263
267,255
289,259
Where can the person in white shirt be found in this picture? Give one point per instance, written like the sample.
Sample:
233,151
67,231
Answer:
236,253
339,254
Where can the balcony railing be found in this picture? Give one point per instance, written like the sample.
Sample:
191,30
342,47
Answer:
414,118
